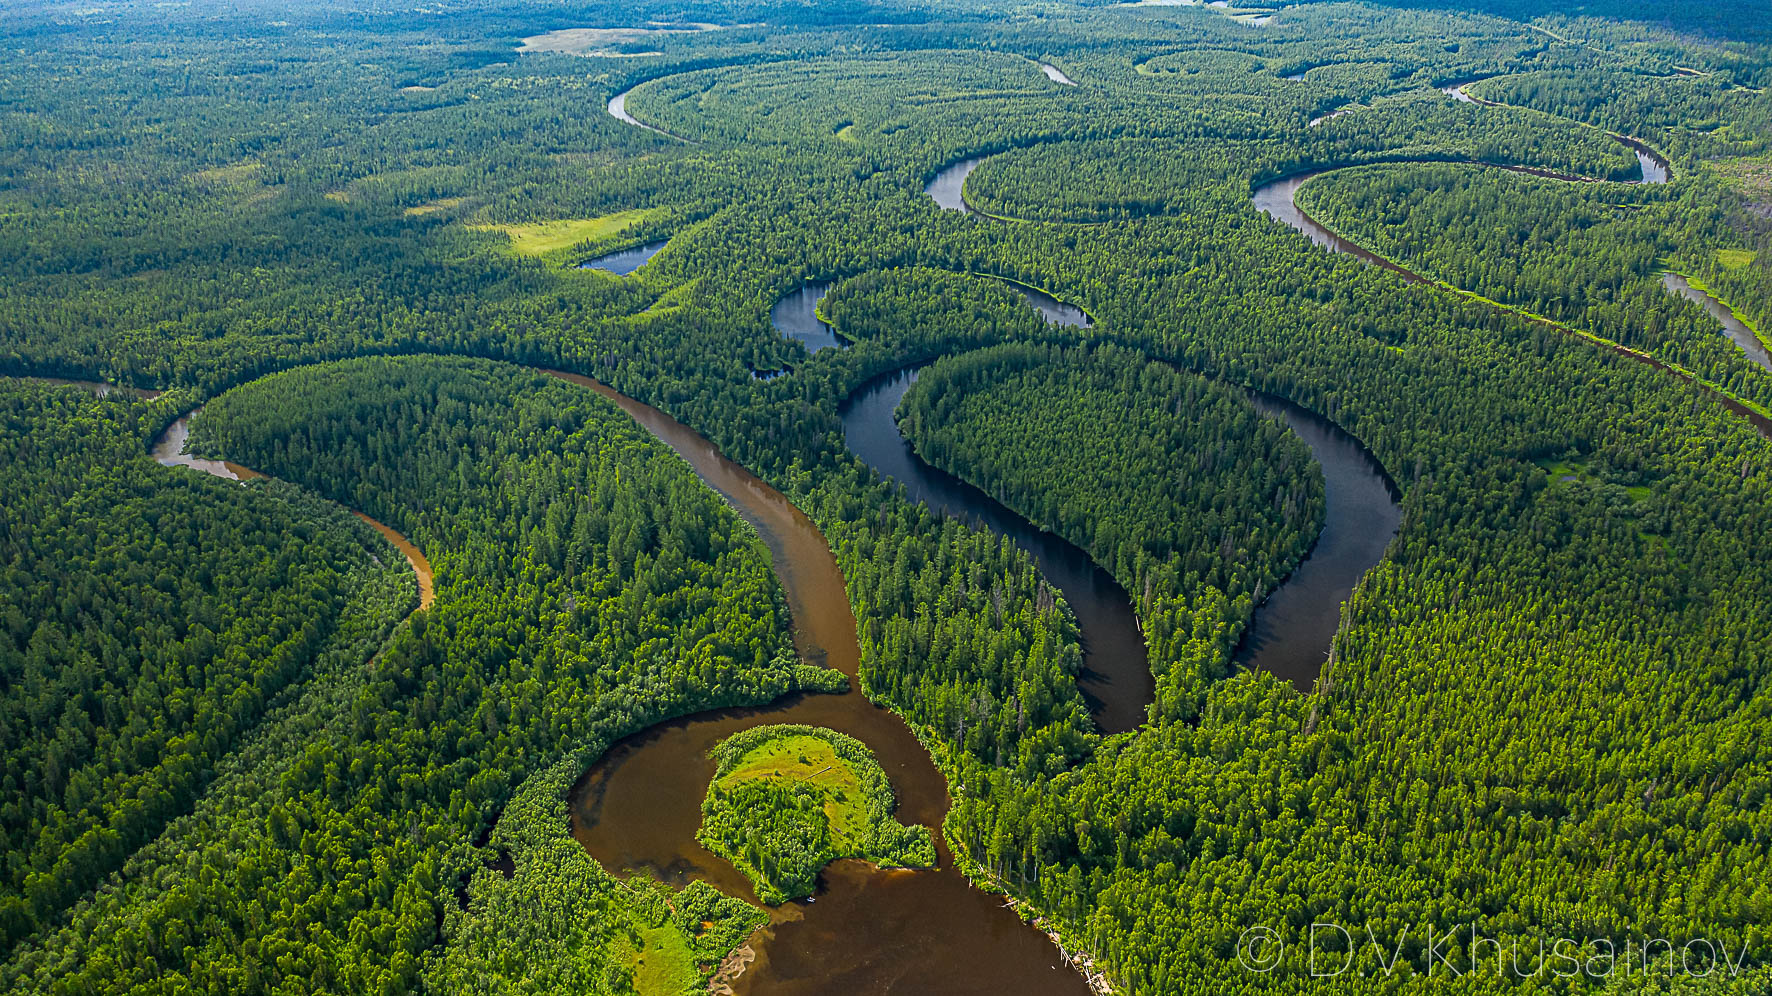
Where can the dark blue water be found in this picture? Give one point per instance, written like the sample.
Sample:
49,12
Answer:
1116,681
796,317
1055,312
624,262
946,188
1292,631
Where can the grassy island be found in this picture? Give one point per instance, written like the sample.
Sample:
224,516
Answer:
788,800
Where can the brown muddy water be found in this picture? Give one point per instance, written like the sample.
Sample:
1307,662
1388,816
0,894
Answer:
866,931
421,566
169,451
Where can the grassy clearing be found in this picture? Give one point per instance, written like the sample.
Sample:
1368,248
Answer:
1565,471
543,237
241,183
810,761
1752,175
672,300
1734,259
1569,472
234,175
629,42
788,800
432,207
664,965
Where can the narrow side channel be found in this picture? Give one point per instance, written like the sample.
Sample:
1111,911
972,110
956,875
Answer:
169,451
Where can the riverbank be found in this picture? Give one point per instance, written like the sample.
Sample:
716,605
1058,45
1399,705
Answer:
1278,198
169,450
923,931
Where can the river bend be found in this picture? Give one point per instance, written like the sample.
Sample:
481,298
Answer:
169,451
869,931
638,807
1278,199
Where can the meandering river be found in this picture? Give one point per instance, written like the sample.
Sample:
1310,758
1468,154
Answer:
1278,198
1116,679
1056,75
618,109
901,931
868,931
796,317
169,451
947,189
1291,632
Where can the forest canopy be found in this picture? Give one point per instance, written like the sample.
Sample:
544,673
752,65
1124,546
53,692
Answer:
237,761
788,800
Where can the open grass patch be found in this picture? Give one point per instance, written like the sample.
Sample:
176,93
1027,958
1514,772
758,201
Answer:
1566,471
240,183
1734,259
543,237
667,942
1570,471
233,175
788,800
664,965
608,42
671,301
432,207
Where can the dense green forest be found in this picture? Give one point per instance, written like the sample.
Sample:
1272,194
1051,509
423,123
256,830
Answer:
338,839
1195,502
1582,254
788,800
232,768
153,617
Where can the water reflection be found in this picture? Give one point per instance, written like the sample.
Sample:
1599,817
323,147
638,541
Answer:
625,261
796,317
